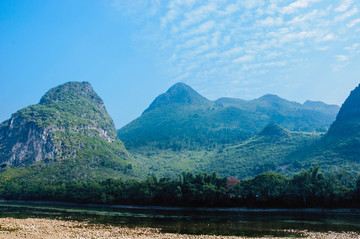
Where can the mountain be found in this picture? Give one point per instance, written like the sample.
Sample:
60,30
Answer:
69,134
182,118
340,146
183,131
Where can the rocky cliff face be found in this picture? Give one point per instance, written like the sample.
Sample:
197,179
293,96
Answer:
24,142
61,125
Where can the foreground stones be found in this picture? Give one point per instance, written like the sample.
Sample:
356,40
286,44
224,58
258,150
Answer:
56,229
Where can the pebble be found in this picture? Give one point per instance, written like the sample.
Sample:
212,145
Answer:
35,228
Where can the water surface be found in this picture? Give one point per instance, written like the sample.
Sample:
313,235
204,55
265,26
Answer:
239,222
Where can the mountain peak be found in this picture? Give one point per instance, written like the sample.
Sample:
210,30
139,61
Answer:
180,93
273,129
180,86
183,93
71,91
269,97
351,107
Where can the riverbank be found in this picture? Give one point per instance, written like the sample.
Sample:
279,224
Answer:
58,229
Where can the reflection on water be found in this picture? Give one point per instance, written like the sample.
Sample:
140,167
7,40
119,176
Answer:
240,223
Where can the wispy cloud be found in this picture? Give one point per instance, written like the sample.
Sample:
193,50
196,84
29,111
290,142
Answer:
244,58
347,14
344,5
204,41
353,23
342,57
270,21
353,47
298,4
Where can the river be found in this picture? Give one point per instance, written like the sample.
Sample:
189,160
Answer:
218,221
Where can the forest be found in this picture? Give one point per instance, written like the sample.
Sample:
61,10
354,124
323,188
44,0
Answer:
308,188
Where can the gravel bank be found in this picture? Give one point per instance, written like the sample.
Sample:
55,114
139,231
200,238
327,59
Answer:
57,229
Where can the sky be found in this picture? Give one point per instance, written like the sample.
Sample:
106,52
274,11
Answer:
132,51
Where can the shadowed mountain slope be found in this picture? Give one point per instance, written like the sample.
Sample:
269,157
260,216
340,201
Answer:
340,146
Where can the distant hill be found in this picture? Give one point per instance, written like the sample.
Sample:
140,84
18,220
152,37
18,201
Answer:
268,150
182,118
68,135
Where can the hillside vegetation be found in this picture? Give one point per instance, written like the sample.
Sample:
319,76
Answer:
268,150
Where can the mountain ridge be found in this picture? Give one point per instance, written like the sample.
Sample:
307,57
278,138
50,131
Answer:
188,118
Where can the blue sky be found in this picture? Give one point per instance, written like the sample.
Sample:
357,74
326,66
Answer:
131,51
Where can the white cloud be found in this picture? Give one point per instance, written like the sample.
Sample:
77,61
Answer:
276,63
206,26
327,37
215,39
307,18
298,4
233,52
197,15
352,47
342,57
273,54
322,48
230,9
170,16
353,23
193,42
270,21
245,58
347,14
345,4
290,37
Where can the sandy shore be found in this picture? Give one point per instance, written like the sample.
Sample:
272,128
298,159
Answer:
56,229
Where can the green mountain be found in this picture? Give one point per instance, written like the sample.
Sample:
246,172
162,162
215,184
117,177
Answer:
183,119
68,135
339,149
183,131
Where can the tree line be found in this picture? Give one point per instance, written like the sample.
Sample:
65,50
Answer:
308,188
